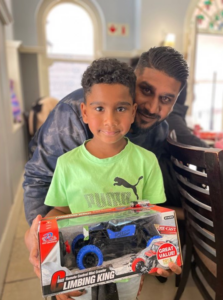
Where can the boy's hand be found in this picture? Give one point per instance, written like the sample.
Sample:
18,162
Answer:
31,242
70,295
174,269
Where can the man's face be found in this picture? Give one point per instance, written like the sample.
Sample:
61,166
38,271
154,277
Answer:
156,94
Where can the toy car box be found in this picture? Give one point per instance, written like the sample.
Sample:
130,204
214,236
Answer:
92,248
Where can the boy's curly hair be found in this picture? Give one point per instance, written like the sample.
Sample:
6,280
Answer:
109,71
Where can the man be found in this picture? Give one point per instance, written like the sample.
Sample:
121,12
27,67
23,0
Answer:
161,74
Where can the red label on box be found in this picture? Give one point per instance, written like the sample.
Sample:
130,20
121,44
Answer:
166,229
166,250
48,237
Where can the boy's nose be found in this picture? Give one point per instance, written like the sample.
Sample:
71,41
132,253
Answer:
110,119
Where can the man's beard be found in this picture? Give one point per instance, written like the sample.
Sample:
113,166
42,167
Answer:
136,128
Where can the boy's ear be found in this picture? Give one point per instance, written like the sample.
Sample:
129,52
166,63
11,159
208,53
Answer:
134,108
84,113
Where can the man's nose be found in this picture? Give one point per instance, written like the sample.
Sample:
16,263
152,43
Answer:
154,105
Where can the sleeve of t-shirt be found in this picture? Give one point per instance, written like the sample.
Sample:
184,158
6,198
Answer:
153,189
56,195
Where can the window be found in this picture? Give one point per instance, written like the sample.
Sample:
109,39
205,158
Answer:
208,85
207,79
69,32
70,47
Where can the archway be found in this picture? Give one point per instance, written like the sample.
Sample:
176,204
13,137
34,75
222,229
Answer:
204,46
50,62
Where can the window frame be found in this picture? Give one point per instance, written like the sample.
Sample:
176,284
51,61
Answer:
96,15
191,31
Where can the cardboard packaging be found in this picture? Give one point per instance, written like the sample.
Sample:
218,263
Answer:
92,248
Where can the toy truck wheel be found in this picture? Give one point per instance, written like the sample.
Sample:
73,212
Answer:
62,249
138,264
89,256
77,242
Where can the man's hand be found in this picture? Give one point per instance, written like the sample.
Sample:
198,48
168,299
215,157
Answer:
174,269
68,296
31,242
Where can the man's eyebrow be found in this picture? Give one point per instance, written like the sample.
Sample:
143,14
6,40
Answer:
169,95
146,84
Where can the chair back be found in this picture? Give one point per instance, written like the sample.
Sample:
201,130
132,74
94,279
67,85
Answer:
199,174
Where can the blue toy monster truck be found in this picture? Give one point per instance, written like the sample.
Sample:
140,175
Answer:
109,240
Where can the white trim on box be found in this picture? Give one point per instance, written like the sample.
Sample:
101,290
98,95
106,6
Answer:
9,233
5,16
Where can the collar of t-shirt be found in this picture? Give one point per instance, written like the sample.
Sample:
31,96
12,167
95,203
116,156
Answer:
108,160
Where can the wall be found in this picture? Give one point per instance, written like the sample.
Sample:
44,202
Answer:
30,79
6,196
9,31
25,21
119,12
161,17
25,29
149,21
12,156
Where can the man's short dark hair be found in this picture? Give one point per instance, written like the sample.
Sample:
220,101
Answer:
109,71
133,62
167,60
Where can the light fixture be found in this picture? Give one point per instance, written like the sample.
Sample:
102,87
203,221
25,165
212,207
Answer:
170,40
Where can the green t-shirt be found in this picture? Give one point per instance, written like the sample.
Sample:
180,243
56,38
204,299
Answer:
85,183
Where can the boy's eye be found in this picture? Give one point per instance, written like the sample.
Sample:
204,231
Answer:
99,108
121,109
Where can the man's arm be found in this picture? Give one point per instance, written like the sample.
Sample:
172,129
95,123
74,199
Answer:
183,133
62,131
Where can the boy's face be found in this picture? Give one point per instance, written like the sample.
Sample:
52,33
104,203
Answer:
109,112
156,94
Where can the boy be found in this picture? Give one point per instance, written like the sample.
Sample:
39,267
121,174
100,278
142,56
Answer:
108,170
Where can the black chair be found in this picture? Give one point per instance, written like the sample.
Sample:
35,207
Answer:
202,199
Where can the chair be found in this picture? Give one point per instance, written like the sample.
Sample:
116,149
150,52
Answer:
202,199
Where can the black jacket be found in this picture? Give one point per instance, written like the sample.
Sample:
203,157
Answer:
177,122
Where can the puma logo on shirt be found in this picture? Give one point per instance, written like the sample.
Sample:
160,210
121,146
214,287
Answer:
122,182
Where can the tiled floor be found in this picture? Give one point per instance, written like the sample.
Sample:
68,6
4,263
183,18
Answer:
22,284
